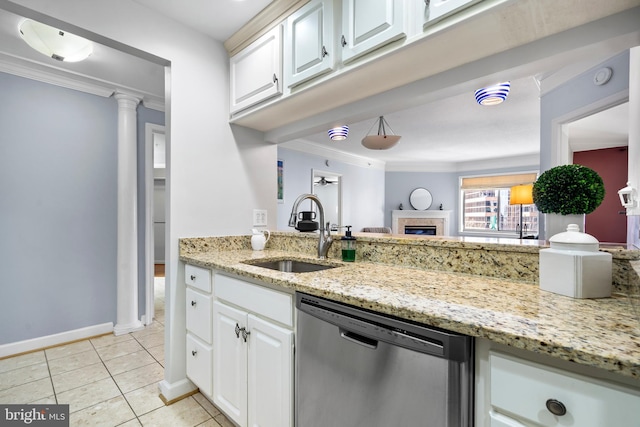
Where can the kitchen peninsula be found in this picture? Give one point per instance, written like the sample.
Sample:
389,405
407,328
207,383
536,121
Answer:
485,288
481,287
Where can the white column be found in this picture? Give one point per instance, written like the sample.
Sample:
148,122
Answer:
127,259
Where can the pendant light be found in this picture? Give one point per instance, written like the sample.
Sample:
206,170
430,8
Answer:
381,141
55,43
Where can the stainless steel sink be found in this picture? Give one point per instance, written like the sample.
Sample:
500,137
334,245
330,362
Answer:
291,265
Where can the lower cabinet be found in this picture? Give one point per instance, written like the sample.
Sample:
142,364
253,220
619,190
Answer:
199,364
524,394
198,300
252,361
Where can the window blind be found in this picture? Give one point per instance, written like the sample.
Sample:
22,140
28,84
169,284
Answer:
498,181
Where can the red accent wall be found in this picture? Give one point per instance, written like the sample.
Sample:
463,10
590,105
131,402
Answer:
606,223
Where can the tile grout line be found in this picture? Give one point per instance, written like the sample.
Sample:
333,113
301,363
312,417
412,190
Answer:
53,387
116,383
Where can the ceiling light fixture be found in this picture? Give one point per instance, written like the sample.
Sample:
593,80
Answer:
493,95
338,133
381,141
55,43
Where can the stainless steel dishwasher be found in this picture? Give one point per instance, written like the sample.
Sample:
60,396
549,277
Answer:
357,368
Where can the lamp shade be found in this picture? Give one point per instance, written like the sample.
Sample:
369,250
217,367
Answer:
54,43
493,95
338,133
381,141
521,195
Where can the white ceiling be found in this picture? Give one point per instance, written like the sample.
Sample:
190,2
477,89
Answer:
218,19
451,130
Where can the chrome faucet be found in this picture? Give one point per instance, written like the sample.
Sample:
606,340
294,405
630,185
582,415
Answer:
325,239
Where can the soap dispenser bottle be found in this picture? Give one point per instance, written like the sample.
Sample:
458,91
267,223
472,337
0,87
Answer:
348,246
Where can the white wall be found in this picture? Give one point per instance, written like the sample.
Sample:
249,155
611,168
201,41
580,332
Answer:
216,176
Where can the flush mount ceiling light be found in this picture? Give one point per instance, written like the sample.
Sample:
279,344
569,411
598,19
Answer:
493,95
381,141
338,133
54,43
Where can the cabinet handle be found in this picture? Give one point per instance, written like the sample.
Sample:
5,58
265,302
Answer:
193,278
275,78
194,352
245,334
193,303
324,52
237,330
556,407
343,41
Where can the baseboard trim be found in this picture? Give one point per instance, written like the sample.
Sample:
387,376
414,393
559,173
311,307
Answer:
26,346
173,392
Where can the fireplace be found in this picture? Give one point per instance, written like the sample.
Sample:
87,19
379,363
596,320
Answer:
425,223
421,230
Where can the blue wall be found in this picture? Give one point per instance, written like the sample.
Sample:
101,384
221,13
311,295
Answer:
58,218
363,188
443,186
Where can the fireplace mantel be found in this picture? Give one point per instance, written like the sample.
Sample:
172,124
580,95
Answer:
441,219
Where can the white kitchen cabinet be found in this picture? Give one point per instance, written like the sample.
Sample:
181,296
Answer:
230,362
370,24
309,42
253,356
256,71
433,11
199,364
199,325
524,393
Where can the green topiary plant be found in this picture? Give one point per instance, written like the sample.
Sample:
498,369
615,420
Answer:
568,190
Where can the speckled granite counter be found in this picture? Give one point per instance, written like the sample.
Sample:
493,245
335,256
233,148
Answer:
428,284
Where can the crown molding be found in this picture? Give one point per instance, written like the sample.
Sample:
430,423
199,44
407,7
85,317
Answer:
527,160
32,70
260,24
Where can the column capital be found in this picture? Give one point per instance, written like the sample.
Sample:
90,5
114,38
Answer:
124,97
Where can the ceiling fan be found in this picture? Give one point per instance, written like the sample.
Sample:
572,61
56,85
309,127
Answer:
324,181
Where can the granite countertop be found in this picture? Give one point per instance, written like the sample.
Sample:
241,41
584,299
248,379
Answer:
602,333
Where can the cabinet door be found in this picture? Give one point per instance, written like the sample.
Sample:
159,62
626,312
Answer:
256,71
308,48
436,10
370,24
229,362
199,364
270,374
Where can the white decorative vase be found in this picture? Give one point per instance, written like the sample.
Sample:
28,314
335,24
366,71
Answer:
556,223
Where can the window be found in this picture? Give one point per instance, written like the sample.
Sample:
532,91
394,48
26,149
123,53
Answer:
486,208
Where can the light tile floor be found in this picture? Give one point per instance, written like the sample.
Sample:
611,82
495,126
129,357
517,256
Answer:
107,381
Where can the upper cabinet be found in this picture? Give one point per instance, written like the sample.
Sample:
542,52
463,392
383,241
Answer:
308,47
319,41
256,71
370,24
435,10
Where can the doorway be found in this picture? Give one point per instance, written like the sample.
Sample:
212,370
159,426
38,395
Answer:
155,224
328,187
608,223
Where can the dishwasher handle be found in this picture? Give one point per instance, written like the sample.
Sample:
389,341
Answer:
358,339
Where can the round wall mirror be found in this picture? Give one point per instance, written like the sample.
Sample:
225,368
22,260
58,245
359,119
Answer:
420,199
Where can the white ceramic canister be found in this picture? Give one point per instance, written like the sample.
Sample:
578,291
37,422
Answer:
258,239
573,266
